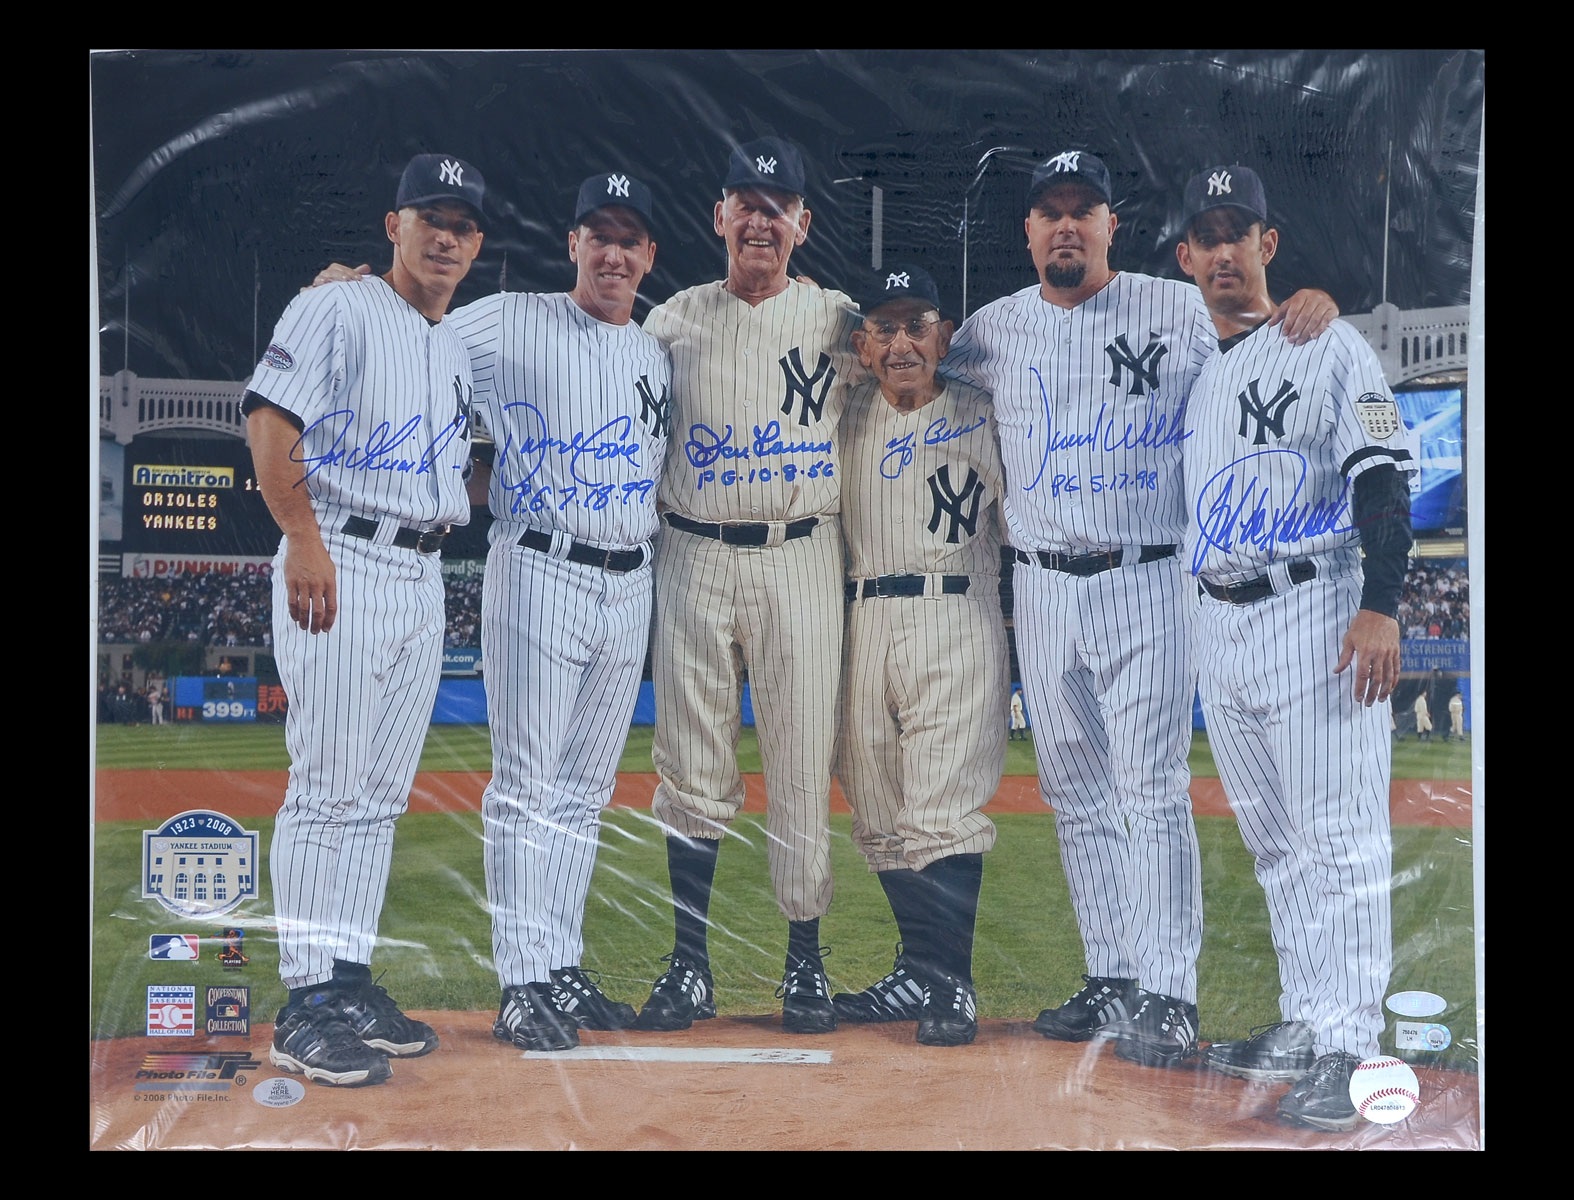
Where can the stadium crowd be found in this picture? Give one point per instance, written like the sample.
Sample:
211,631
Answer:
235,610
1436,600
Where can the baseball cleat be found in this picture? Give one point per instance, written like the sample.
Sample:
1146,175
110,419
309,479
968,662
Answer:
530,1019
1321,1099
684,994
317,1042
899,996
1161,1034
805,994
578,998
950,1013
378,1022
1101,1003
1280,1053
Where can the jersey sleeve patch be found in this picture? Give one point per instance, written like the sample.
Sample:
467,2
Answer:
1379,416
277,357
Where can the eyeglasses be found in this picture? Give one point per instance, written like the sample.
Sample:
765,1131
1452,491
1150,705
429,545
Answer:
885,332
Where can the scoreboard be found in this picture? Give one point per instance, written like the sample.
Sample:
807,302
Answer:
194,496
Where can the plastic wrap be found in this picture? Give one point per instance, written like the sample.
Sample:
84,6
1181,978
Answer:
224,181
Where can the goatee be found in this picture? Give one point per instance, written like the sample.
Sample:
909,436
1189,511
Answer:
1067,275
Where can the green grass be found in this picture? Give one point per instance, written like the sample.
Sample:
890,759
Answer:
437,943
468,748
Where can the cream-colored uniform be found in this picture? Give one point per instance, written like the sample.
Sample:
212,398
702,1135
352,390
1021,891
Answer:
757,394
925,676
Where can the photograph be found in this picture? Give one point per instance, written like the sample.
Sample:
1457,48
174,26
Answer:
787,599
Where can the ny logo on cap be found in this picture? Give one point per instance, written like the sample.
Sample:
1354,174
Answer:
1066,160
451,172
1219,183
617,185
895,280
766,166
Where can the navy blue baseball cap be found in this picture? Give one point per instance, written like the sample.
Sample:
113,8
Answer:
432,177
1226,187
613,187
900,281
1074,166
769,162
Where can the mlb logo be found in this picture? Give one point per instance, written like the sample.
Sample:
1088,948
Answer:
173,947
172,1011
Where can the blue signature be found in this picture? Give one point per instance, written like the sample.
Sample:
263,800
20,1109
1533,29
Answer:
1227,522
706,447
610,443
937,434
386,449
1158,429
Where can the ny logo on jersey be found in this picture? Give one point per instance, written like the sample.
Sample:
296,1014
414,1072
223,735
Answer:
894,280
654,414
1268,414
767,166
801,383
617,185
1066,160
451,172
1144,367
1219,183
463,403
951,502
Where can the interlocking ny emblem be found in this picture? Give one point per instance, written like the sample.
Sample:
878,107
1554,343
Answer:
894,280
655,414
801,383
451,172
1268,414
951,502
767,166
617,185
1219,183
462,405
1144,367
1066,160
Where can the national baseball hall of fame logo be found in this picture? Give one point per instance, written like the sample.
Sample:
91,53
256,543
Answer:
199,863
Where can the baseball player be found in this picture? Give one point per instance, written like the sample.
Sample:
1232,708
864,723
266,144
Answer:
576,397
1423,717
919,755
1090,371
1297,464
359,420
1456,716
1018,715
749,575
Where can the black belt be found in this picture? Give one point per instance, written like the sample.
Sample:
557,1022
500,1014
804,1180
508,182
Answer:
1088,564
619,562
742,533
424,541
1260,588
906,585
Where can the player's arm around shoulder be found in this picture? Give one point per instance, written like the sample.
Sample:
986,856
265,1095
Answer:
1305,316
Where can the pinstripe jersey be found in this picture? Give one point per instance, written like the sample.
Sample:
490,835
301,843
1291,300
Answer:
385,399
757,393
923,487
1278,432
1091,405
580,412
